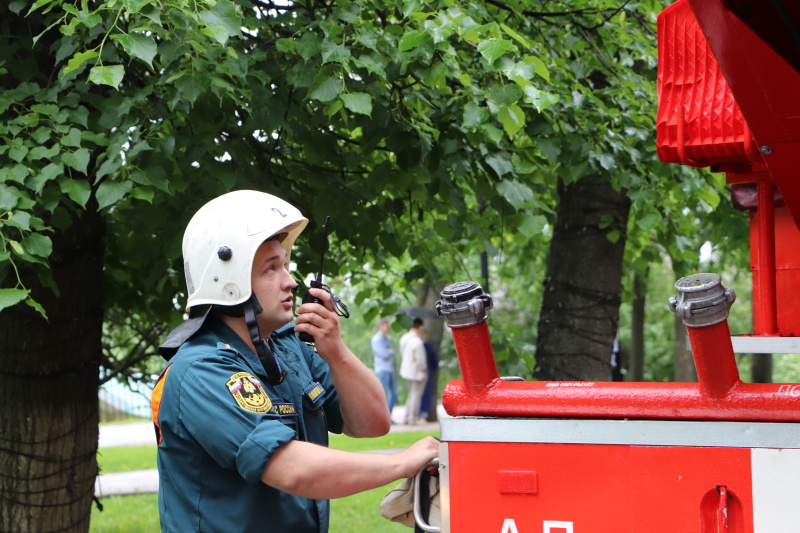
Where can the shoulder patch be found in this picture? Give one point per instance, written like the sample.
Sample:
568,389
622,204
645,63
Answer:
248,392
315,392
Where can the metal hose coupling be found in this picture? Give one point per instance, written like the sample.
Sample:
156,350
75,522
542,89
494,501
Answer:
701,300
464,304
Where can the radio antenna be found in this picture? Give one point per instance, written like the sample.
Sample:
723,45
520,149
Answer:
324,250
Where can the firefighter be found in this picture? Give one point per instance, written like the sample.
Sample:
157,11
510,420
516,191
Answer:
243,409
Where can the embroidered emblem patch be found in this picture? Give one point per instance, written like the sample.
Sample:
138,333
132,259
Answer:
285,409
315,392
249,393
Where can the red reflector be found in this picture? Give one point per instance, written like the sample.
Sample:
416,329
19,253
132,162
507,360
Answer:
517,482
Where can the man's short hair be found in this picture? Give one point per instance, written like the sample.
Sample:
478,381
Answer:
417,323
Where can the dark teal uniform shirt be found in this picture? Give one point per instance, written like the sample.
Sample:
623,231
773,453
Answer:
218,422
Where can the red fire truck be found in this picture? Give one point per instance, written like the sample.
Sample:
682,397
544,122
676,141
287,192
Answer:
718,455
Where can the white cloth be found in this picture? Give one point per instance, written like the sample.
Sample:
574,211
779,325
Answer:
398,505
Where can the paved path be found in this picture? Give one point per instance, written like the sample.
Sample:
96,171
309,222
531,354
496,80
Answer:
143,434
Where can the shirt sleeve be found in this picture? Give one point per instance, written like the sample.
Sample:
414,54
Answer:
236,437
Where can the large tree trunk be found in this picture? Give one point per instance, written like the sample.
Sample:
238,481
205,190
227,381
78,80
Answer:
580,308
48,389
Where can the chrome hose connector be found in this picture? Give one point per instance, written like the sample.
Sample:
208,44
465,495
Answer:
464,304
701,300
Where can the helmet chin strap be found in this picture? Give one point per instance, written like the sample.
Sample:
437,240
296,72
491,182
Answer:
275,374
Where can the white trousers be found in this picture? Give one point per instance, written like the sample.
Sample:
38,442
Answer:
415,391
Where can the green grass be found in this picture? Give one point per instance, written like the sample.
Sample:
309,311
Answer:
139,513
129,458
126,458
126,514
359,513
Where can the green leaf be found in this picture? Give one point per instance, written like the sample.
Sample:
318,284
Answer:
493,134
107,75
79,159
516,36
17,247
8,198
48,173
541,100
18,153
224,14
607,161
38,245
78,191
143,193
709,196
649,221
493,49
474,115
532,225
21,220
309,45
325,87
334,108
541,68
412,40
43,152
443,229
504,95
110,192
9,297
135,6
500,163
515,193
17,5
358,103
512,118
192,85
138,46
217,32
37,306
550,148
73,138
79,59
435,75
334,53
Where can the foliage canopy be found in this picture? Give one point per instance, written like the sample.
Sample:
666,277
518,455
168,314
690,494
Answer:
428,131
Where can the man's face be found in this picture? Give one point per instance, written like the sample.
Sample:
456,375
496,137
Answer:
272,285
383,327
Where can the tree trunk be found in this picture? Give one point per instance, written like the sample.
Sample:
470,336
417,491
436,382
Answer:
582,288
48,389
683,362
637,326
683,369
761,368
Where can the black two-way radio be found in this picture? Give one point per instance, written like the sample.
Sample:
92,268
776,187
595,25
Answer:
339,306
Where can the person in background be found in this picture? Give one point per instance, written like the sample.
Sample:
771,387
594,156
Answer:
428,403
383,353
243,409
413,368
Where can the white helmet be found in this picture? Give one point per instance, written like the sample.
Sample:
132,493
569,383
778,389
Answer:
221,240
